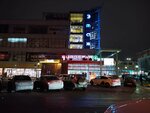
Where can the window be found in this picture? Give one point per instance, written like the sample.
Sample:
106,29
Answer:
76,29
15,40
76,46
19,29
38,29
76,38
76,17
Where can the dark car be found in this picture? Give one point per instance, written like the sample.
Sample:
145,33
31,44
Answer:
129,81
48,82
20,83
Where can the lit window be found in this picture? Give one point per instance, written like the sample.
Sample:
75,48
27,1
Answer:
13,40
76,29
76,38
76,18
76,46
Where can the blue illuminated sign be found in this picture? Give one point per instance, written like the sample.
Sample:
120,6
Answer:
88,34
88,16
92,29
88,25
88,44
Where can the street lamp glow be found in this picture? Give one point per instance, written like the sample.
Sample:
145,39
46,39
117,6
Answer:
128,59
136,66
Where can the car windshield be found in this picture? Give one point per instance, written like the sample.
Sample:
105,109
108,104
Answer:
21,78
114,76
50,78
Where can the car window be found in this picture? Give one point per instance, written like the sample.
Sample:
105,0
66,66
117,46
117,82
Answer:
50,78
98,77
102,77
21,77
114,77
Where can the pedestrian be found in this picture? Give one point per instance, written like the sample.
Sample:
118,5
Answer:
141,79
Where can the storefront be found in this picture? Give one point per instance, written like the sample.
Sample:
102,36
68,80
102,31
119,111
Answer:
89,65
9,69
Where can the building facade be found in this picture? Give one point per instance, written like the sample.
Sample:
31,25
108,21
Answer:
144,61
60,43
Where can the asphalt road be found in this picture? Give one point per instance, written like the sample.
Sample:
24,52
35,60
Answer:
93,100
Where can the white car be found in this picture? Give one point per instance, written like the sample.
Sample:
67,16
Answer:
107,81
19,83
48,82
132,106
74,81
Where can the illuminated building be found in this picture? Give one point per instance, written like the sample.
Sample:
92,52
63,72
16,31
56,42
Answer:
144,61
60,43
128,66
85,30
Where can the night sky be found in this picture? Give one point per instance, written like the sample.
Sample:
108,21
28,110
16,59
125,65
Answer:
125,24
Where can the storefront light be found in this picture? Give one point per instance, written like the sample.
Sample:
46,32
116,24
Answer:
50,61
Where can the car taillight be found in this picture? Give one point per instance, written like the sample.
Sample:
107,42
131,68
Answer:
115,80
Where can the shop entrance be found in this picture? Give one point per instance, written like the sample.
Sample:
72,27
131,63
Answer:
51,68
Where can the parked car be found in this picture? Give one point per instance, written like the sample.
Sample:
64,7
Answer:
74,81
129,81
132,106
106,81
48,82
20,83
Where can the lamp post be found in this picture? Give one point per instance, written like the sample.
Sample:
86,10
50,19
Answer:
36,66
136,69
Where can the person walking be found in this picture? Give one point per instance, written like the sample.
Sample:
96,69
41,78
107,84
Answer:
141,79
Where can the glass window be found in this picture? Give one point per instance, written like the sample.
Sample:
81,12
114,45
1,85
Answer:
76,38
19,29
76,29
76,18
76,46
13,40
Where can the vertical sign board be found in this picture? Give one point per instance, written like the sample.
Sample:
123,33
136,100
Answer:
92,29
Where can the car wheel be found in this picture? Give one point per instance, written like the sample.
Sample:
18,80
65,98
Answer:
9,90
69,85
43,88
9,87
84,89
107,85
102,84
92,83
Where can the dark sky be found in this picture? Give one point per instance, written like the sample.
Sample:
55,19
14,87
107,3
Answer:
124,23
